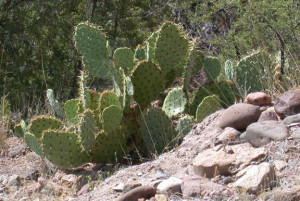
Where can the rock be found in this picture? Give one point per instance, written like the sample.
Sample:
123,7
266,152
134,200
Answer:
4,179
268,114
229,134
258,98
171,185
13,180
292,119
291,194
155,183
261,133
145,192
33,188
58,175
119,187
288,103
69,180
211,163
279,165
33,174
161,197
131,185
258,178
84,189
193,186
239,116
296,134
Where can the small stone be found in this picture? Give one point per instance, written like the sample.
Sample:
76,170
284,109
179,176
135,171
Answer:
229,134
292,119
14,180
131,185
58,175
69,180
261,133
239,116
269,114
155,183
258,98
84,189
145,192
161,197
33,188
119,187
159,175
279,165
33,174
296,134
171,185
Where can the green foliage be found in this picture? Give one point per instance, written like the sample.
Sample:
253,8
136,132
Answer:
230,71
55,105
41,123
107,99
148,82
208,105
174,102
151,45
33,143
111,117
139,53
212,67
124,58
87,130
72,111
20,129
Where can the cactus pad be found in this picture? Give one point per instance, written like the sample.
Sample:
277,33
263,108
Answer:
88,129
63,149
174,102
229,70
140,53
33,143
208,105
150,47
212,67
111,117
20,129
226,91
107,99
148,82
124,58
39,124
91,44
157,131
72,111
55,105
185,125
110,147
171,47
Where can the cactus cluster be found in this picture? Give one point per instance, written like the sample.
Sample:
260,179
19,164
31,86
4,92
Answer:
104,127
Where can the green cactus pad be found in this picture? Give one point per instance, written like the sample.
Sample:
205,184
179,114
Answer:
39,124
148,82
226,91
252,72
72,111
110,147
55,105
212,67
185,125
174,102
229,70
63,149
33,143
111,117
87,129
208,105
92,45
171,46
124,58
150,47
157,131
94,99
140,53
107,99
20,129
195,64
84,96
118,76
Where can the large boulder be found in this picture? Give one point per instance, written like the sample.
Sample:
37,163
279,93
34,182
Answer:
288,103
239,116
261,133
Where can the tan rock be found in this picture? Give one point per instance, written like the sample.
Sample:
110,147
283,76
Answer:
258,178
258,98
145,192
171,185
288,103
268,114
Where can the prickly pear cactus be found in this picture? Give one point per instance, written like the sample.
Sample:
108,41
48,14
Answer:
107,99
174,102
87,130
157,131
110,147
92,45
229,70
39,124
72,111
195,64
208,105
55,105
124,58
252,72
148,82
33,143
185,125
226,91
111,118
150,47
20,129
140,53
63,149
171,46
212,67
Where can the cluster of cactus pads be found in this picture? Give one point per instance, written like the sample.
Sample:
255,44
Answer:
105,126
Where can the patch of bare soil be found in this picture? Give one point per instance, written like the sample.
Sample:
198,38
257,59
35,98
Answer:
39,180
